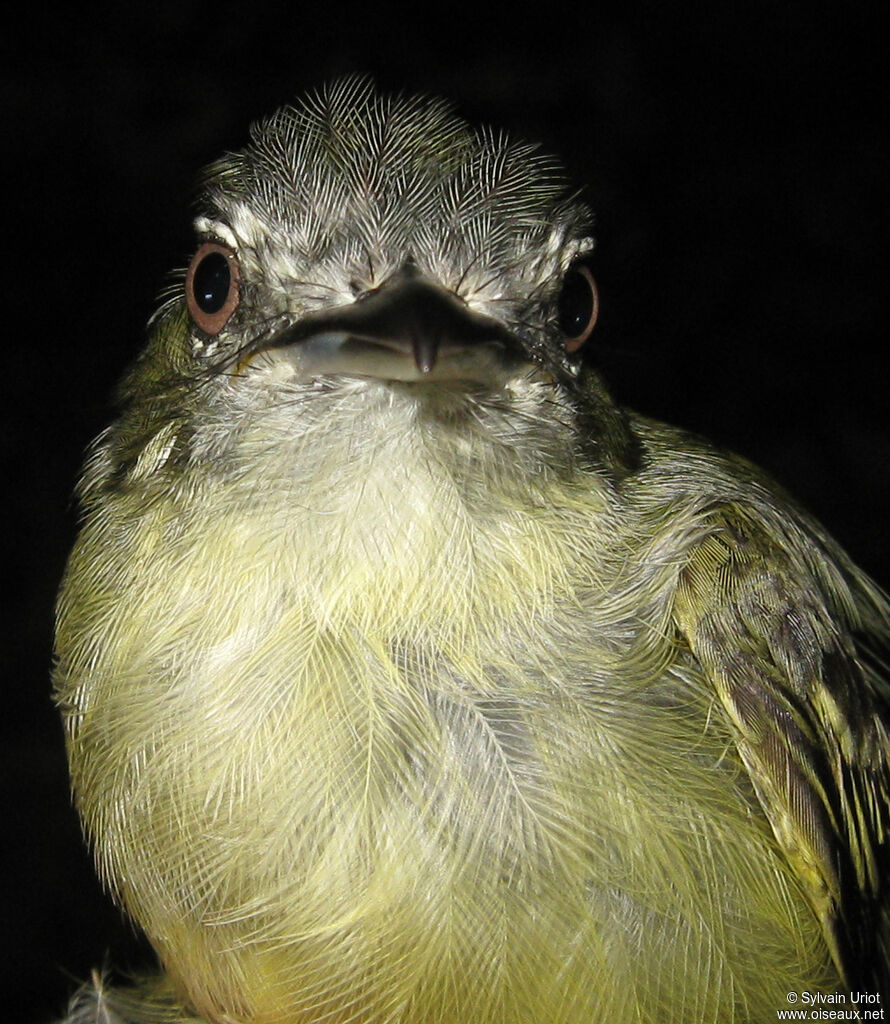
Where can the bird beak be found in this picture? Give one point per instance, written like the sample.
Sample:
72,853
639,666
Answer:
410,329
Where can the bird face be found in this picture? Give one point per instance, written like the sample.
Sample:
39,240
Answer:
377,239
297,233
371,260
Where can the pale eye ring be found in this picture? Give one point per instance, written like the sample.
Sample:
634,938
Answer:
212,286
578,307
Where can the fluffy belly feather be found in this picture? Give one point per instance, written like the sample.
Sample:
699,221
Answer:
351,783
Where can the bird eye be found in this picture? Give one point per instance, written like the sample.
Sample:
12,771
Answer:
211,286
578,307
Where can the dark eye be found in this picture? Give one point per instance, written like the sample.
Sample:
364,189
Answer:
211,286
578,307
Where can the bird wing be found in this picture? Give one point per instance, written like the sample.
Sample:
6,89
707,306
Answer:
757,607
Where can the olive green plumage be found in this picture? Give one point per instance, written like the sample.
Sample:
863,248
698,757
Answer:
410,679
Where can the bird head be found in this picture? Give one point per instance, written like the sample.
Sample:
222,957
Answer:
374,246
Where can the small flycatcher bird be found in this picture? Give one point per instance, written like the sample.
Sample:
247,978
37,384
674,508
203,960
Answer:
408,678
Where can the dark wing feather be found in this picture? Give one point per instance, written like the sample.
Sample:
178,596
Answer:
811,726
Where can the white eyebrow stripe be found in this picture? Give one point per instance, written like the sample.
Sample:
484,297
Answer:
205,226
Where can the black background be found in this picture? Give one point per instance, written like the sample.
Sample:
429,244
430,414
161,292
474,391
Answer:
736,158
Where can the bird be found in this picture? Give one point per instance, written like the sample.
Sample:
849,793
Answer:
408,677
